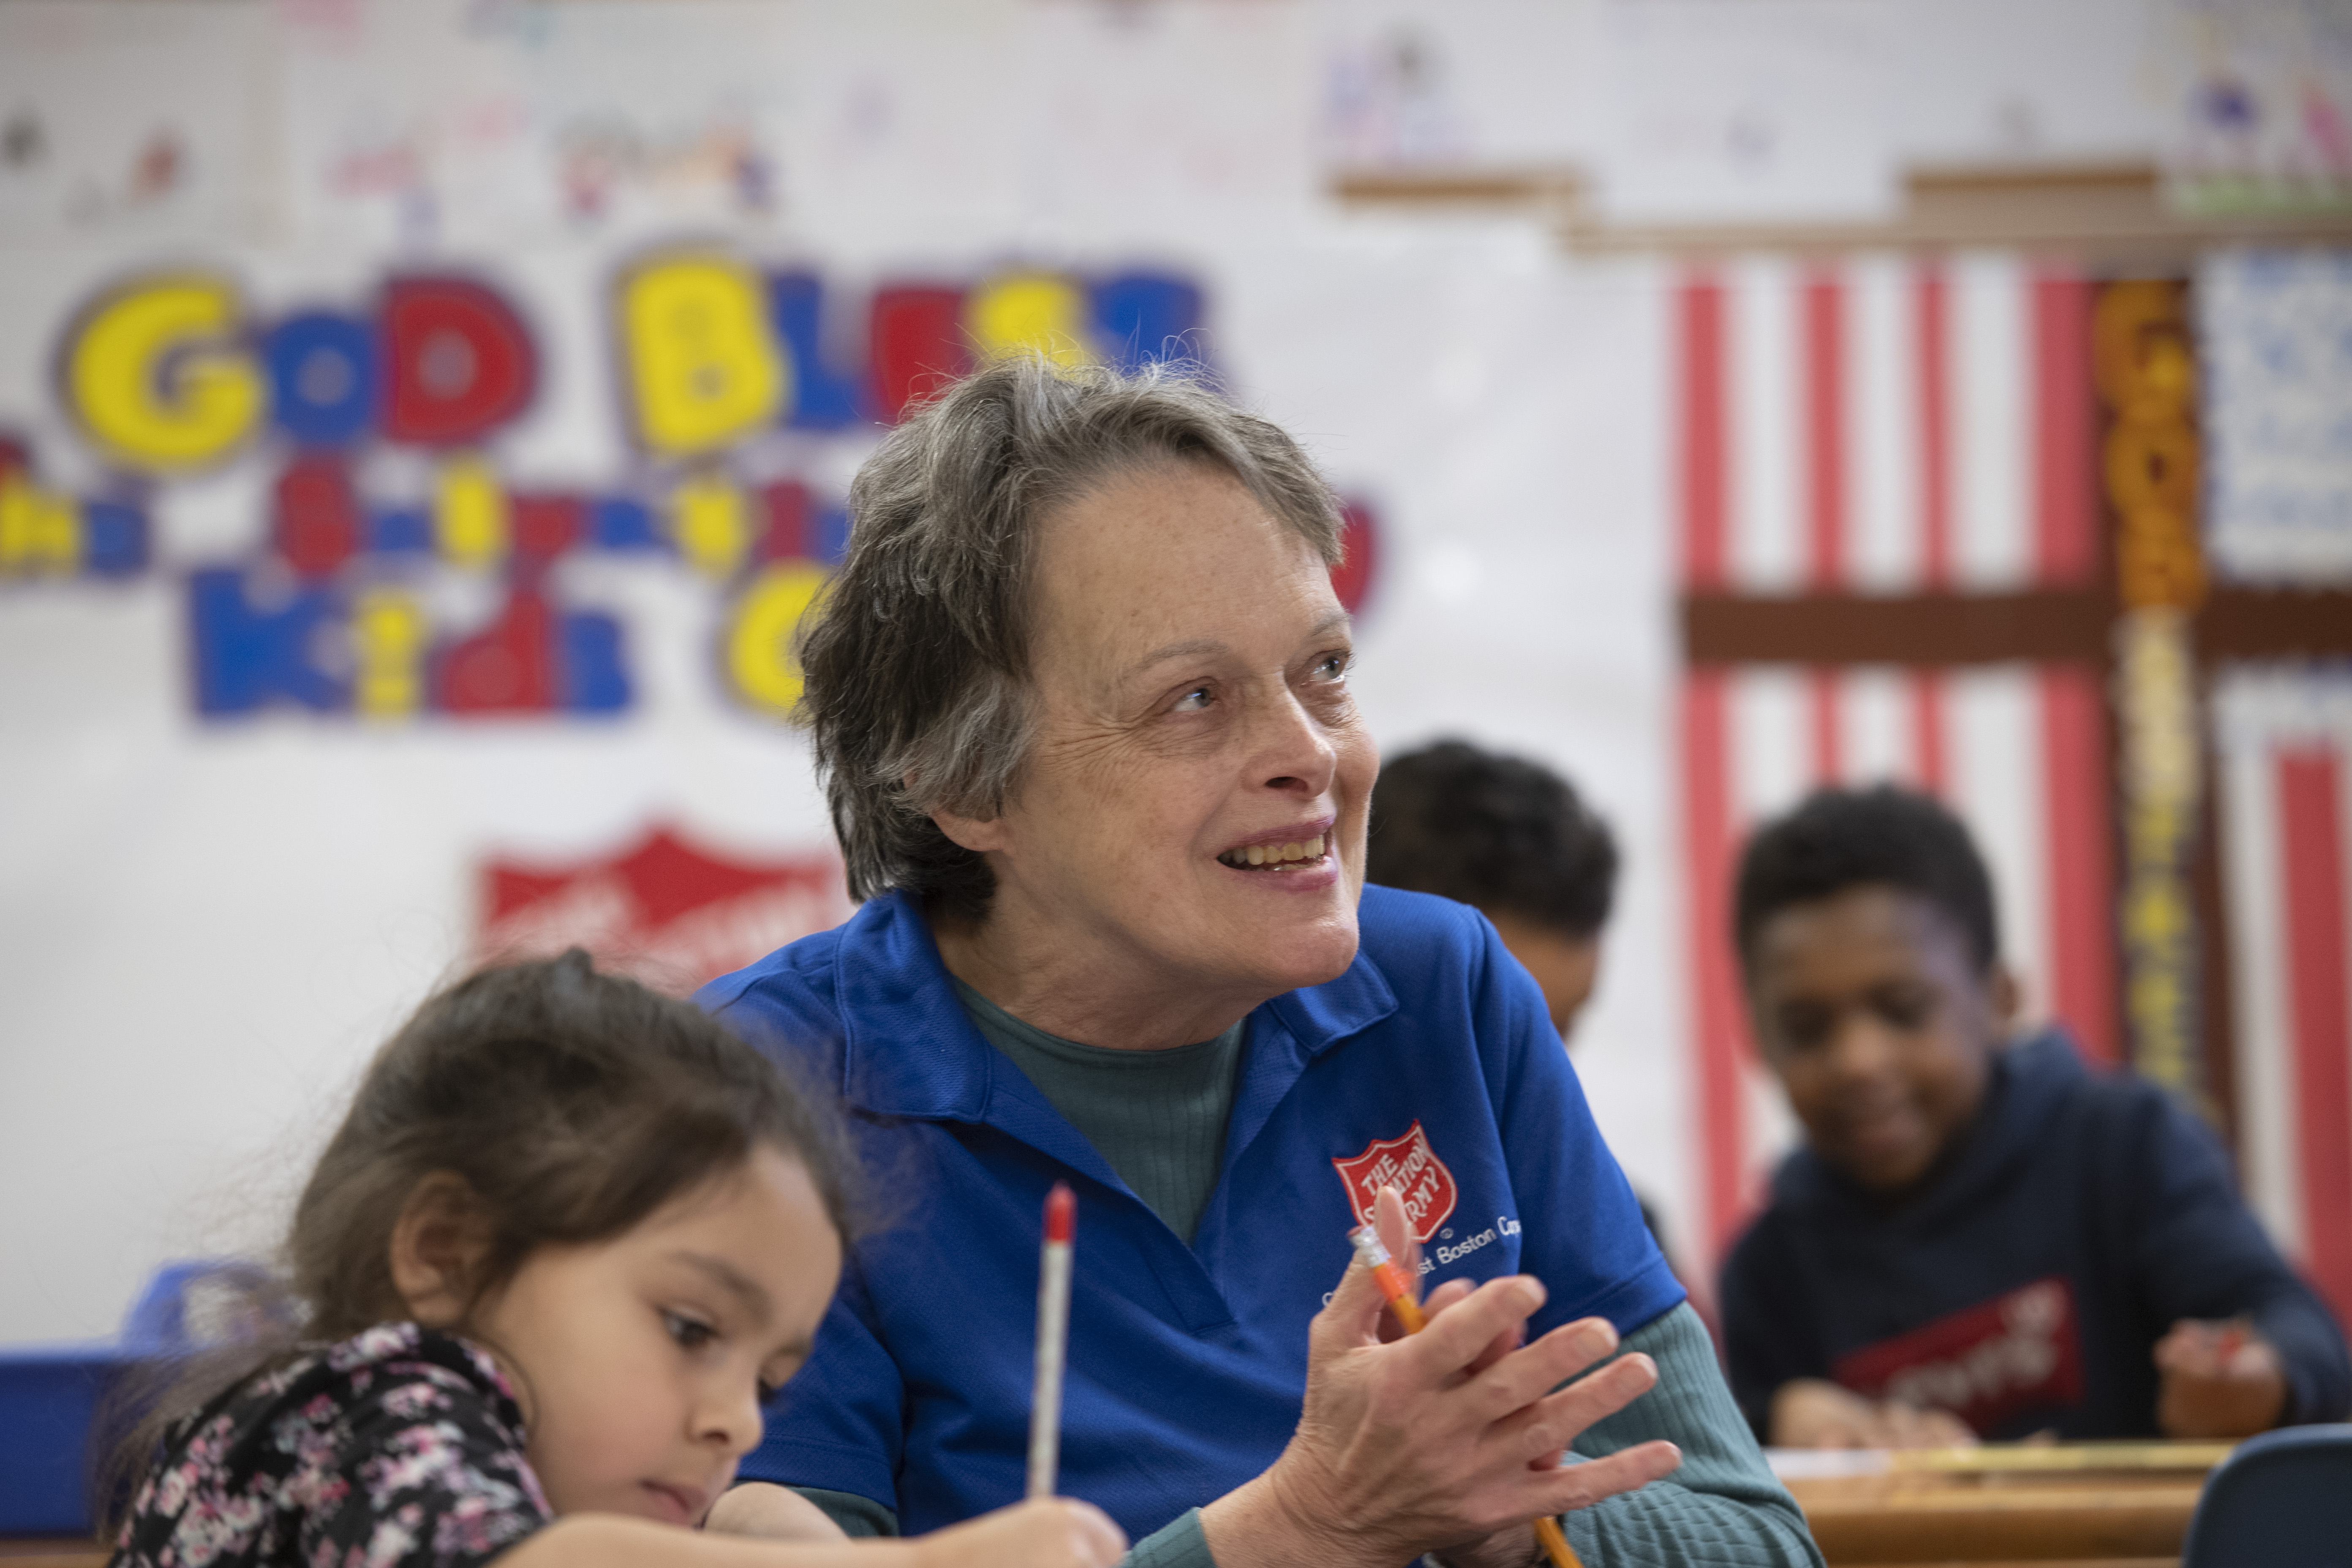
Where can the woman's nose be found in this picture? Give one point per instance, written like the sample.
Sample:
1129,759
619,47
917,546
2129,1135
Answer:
1294,753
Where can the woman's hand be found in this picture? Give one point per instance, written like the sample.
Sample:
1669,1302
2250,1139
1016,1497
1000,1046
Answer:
2218,1379
1050,1533
1442,1440
1814,1413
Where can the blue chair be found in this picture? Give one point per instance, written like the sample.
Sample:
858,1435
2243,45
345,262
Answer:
2284,1499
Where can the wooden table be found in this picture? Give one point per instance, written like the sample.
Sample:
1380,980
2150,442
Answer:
2082,1504
24,1552
2090,1505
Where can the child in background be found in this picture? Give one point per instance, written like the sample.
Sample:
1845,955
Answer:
1510,838
1981,1239
567,1238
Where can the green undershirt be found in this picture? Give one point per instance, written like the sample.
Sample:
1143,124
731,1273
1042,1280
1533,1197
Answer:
1157,1119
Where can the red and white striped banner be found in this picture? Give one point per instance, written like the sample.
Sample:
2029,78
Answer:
1883,427
2286,809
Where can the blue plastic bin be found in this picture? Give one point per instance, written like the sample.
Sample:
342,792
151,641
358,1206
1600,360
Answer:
50,1395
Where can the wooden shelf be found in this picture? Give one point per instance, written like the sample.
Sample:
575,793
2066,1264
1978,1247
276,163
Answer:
2110,215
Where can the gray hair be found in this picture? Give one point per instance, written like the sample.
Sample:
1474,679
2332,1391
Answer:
917,659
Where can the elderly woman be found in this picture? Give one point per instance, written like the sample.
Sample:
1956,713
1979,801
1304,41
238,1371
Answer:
1080,698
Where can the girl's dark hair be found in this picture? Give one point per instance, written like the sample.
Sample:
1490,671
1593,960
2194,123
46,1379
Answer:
572,1104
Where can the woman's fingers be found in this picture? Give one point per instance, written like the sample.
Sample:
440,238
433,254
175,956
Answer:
1572,1487
1445,1295
1352,1318
1528,1374
1098,1539
1396,1233
1550,1424
1457,1340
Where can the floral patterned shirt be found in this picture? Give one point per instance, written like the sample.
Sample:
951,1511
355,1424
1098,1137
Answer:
398,1446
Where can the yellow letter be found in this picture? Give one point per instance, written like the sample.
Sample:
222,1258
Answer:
759,643
1025,311
155,379
710,524
388,641
38,532
469,513
704,366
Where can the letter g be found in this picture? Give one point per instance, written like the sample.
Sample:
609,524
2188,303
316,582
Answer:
156,378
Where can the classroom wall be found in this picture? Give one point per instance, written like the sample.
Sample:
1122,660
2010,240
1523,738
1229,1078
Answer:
313,696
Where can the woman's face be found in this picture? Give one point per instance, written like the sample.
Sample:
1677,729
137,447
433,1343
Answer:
1191,811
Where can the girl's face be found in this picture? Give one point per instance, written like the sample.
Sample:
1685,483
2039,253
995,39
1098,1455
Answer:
641,1363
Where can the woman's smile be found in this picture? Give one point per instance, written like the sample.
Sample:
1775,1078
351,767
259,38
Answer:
1299,856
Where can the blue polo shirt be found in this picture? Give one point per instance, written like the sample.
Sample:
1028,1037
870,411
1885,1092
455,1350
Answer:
1430,1063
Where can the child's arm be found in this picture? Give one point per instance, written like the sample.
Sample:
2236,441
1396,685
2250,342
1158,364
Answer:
765,1511
1814,1413
2218,1380
2250,1346
1052,1532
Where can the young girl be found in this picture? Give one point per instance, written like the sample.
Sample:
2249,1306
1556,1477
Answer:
569,1237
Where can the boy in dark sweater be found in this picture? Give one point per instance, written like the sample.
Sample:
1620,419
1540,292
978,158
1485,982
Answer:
1981,1237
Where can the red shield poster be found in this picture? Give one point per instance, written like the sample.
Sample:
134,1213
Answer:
1409,1164
663,910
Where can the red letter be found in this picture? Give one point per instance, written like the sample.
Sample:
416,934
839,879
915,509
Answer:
918,346
457,360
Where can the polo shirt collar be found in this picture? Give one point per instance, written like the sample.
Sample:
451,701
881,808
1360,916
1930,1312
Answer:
909,1050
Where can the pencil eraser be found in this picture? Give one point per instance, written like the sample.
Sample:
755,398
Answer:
1061,1213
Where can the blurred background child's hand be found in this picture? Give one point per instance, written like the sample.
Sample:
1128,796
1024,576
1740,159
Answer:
1812,1412
1049,1532
2220,1380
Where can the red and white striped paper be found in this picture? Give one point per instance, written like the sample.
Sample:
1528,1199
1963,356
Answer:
2286,741
1884,427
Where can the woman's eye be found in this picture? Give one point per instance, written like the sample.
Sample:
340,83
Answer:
691,1333
1194,701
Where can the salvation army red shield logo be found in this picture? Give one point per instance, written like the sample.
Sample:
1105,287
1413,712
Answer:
1409,1164
672,914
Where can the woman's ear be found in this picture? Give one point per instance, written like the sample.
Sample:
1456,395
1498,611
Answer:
438,1245
977,834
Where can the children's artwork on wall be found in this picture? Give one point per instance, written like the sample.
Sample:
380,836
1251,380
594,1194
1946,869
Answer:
1716,111
430,121
2261,94
140,119
2276,354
